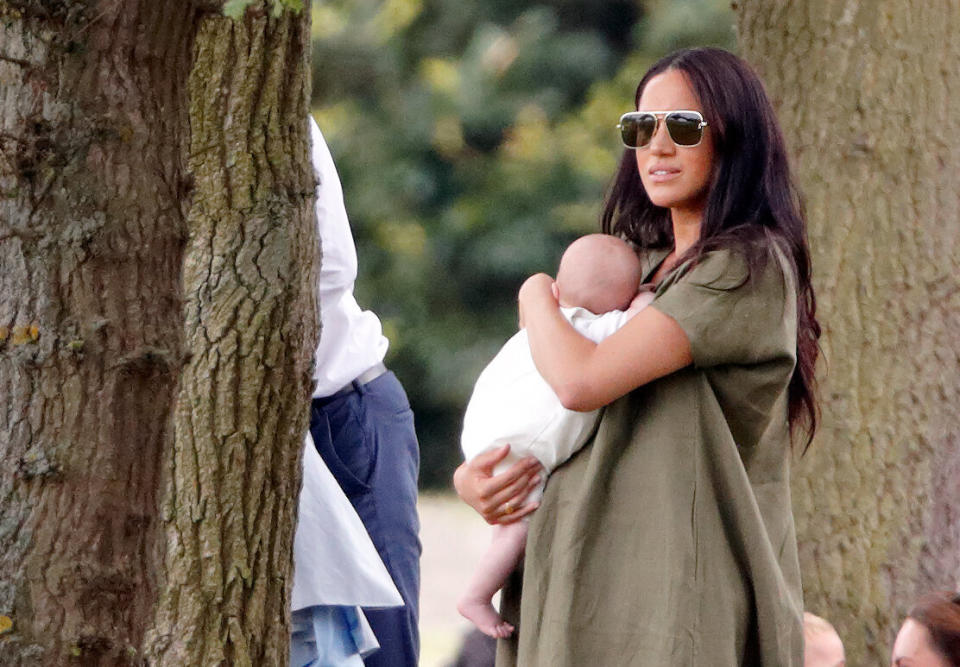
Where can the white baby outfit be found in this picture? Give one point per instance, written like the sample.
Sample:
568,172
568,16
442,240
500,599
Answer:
512,403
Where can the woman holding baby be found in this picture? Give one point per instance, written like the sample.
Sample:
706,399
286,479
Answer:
669,538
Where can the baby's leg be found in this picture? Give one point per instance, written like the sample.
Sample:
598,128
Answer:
499,560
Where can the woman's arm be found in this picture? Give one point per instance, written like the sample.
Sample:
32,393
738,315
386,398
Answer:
587,375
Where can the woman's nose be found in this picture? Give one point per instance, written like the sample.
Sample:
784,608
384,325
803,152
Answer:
660,142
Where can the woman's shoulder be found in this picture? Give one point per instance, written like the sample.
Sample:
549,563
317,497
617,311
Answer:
760,259
734,307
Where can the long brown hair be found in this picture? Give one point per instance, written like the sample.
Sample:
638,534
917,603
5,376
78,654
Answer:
752,198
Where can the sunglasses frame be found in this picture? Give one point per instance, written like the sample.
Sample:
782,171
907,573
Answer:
657,115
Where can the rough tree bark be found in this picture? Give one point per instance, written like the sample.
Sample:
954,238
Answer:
91,235
866,91
117,165
251,317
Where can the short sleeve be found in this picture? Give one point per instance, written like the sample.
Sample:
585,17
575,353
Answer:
729,314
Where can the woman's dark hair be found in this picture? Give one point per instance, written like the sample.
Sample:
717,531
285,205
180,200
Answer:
939,613
752,198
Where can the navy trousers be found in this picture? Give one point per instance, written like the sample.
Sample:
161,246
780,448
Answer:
367,439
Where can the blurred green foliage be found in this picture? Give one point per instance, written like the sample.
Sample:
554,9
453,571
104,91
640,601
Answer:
475,139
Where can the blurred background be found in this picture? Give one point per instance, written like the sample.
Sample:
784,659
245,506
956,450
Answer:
475,139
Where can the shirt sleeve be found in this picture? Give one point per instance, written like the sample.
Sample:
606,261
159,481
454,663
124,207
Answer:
732,315
338,270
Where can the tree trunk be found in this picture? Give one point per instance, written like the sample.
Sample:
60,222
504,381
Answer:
114,154
233,476
92,110
866,94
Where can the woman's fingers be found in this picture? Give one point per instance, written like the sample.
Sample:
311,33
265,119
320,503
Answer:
512,511
518,514
487,493
487,461
523,469
511,482
515,491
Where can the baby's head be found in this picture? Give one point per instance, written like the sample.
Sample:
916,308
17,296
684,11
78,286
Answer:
598,272
823,647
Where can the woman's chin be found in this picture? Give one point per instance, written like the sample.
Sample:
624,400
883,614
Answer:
664,200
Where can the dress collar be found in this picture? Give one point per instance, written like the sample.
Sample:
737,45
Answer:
650,261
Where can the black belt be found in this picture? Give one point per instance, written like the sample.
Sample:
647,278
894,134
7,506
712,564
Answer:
365,377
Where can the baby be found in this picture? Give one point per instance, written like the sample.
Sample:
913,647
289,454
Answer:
822,645
597,288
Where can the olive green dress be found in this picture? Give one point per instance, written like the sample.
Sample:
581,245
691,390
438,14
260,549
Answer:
669,539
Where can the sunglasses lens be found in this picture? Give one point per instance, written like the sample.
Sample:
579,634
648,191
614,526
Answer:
637,129
684,128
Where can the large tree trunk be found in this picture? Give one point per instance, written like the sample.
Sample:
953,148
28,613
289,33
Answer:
92,110
251,318
112,155
866,91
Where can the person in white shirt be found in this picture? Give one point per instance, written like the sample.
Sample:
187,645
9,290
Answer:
598,288
362,427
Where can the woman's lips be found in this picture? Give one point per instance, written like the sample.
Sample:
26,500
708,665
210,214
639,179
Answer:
662,174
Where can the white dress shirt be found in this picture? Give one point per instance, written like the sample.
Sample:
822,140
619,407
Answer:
351,340
335,562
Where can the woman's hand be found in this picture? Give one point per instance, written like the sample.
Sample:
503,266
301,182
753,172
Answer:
498,498
536,288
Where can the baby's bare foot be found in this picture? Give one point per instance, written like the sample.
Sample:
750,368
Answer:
482,614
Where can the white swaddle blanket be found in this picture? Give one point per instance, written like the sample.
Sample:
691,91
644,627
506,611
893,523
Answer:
512,403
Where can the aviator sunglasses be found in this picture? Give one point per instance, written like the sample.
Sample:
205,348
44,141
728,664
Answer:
684,127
